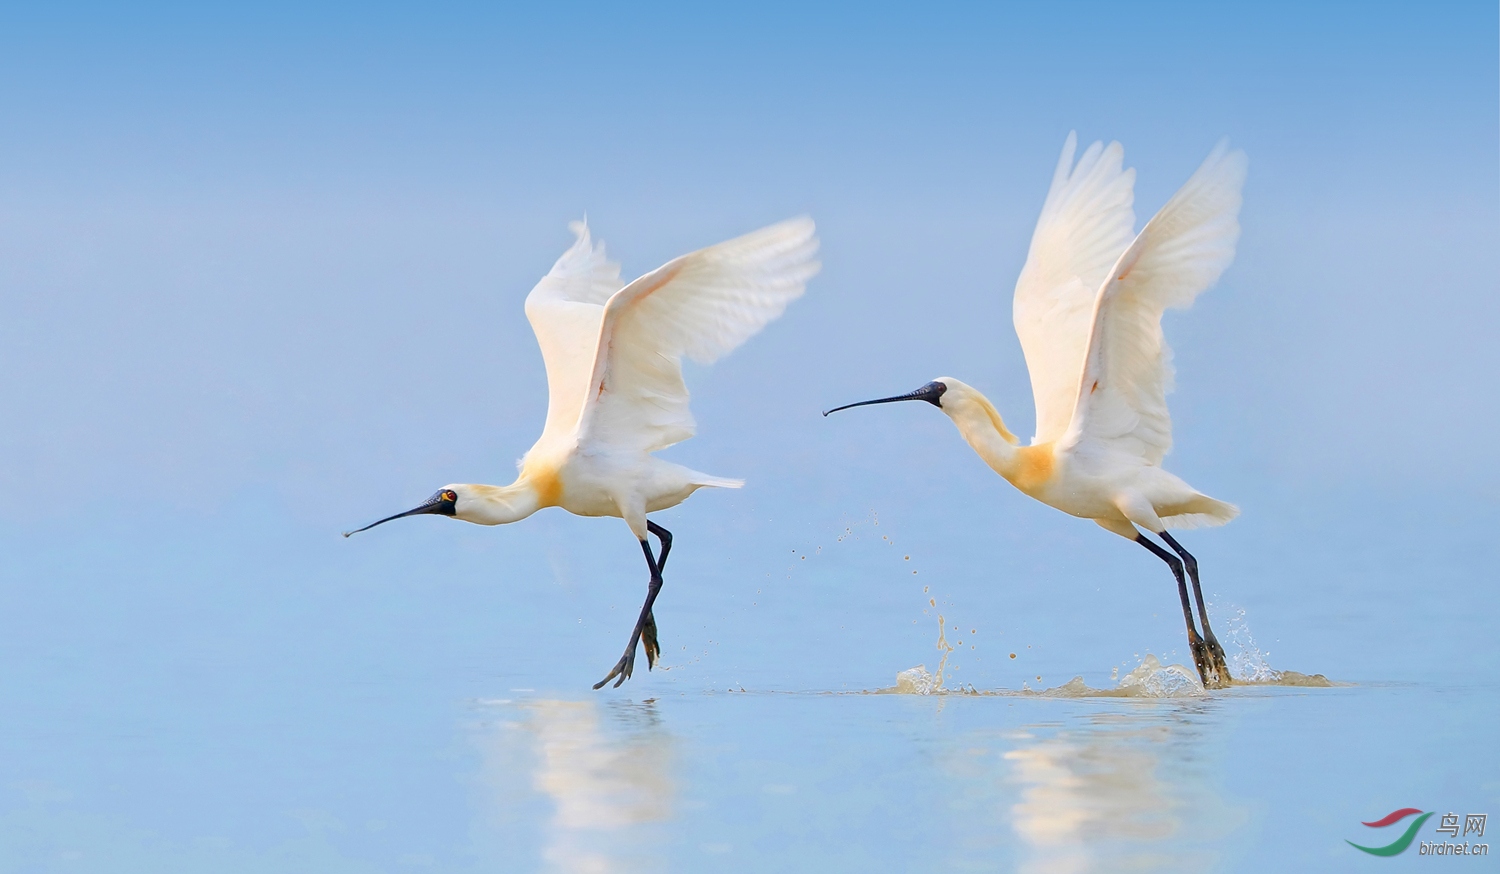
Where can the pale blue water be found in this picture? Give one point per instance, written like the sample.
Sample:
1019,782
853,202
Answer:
243,694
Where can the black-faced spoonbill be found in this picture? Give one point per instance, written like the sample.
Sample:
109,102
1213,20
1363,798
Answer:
613,354
1088,309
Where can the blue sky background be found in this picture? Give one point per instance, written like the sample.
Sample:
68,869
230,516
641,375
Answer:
261,275
243,250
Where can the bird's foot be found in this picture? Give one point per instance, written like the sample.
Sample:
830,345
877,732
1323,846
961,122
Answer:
622,669
1208,657
648,637
1221,664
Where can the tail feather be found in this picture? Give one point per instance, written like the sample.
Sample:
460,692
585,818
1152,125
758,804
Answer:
1199,512
717,482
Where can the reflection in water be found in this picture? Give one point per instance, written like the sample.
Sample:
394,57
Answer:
1096,798
1112,785
607,771
1127,788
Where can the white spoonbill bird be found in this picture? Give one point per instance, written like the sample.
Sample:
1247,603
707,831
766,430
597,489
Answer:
613,354
1088,309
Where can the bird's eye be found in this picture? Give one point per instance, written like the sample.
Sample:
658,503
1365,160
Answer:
450,495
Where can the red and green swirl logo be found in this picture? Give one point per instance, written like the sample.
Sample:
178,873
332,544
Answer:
1401,843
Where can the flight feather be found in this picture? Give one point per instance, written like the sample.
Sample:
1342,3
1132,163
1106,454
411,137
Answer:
701,305
1121,396
566,309
1086,222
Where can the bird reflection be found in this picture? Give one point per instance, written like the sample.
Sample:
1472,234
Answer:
606,769
1096,798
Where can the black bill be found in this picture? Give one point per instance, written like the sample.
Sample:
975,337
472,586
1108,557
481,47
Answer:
931,392
443,504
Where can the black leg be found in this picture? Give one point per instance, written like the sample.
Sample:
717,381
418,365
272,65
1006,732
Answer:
648,631
1192,570
665,537
626,664
1202,658
1176,566
1211,669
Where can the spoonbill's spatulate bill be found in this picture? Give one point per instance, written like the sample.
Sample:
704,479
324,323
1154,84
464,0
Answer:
615,392
1088,309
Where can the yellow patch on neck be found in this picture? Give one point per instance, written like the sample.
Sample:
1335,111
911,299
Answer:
1032,468
544,480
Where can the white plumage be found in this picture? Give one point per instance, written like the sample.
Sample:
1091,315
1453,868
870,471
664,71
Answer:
613,351
1086,222
613,354
1087,309
700,305
565,310
1127,370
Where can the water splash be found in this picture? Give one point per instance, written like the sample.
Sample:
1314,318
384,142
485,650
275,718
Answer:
1149,679
944,648
1152,679
918,680
915,681
1247,663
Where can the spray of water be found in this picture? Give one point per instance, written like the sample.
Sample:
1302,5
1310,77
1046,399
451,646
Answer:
1247,662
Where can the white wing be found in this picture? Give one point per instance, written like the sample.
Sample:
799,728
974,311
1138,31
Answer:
1086,222
566,309
701,305
1121,399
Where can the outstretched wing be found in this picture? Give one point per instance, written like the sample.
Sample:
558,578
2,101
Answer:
1121,399
701,305
565,310
1086,222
